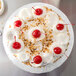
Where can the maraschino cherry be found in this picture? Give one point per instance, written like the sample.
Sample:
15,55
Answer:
16,45
60,26
38,11
37,59
36,33
18,23
57,50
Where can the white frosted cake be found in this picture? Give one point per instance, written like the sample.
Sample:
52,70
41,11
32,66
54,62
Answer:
37,36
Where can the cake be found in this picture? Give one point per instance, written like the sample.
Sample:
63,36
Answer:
37,36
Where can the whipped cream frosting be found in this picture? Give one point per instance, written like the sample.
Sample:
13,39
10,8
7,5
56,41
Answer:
24,55
52,19
11,33
16,50
12,23
47,58
36,7
25,14
34,64
31,38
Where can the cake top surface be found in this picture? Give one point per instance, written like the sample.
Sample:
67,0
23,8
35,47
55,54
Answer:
37,35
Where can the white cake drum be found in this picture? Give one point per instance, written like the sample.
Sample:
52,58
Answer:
50,66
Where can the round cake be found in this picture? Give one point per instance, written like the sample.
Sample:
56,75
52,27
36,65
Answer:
37,36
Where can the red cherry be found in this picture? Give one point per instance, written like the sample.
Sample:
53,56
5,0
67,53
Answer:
57,50
60,27
37,59
16,45
18,23
38,11
36,33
